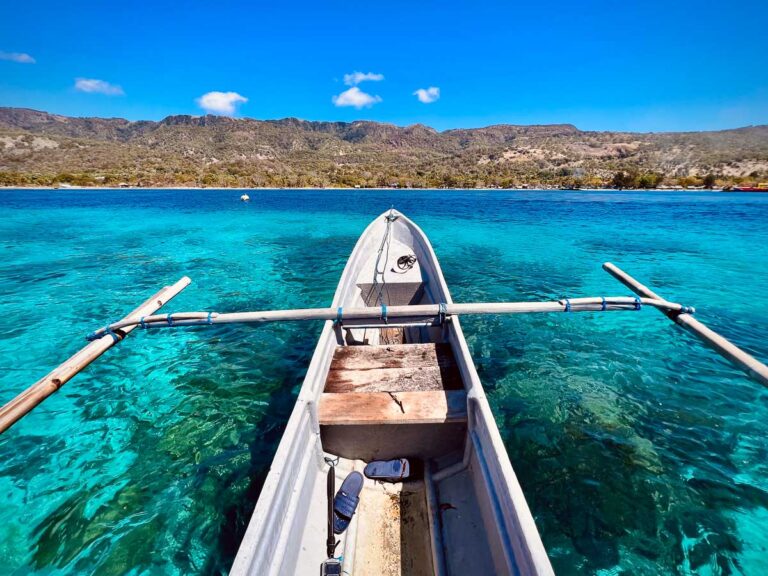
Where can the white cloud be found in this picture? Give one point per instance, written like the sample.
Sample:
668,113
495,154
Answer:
356,77
428,95
91,85
224,103
19,57
355,97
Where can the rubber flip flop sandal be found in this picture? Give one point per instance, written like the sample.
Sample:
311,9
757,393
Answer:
388,470
346,500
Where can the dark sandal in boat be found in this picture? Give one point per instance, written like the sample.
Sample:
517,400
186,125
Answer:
388,470
346,500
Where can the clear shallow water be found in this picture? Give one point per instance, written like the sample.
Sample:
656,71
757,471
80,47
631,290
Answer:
639,450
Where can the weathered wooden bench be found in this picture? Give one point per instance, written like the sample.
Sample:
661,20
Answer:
393,384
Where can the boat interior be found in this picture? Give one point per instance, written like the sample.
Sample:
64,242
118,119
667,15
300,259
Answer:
395,391
401,389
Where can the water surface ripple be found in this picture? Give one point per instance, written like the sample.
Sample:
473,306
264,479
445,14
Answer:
639,450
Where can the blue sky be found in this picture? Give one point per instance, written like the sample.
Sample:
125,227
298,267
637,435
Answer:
646,66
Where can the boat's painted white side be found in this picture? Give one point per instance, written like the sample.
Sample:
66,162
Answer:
519,542
278,532
274,533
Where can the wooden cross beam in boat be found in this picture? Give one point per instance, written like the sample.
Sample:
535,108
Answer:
384,314
416,315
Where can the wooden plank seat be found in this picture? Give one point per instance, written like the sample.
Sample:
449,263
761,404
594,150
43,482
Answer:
393,368
421,407
393,384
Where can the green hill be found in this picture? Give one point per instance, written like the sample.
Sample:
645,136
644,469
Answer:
37,148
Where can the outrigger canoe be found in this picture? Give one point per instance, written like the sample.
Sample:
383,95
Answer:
405,388
391,382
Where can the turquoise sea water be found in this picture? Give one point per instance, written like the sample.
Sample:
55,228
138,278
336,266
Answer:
640,451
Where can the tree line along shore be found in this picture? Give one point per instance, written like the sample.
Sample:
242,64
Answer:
620,180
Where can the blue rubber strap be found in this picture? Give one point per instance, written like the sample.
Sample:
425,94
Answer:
169,319
339,314
384,312
210,321
603,306
442,310
101,332
567,305
345,505
638,304
142,324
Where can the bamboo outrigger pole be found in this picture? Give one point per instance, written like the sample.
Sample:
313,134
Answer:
745,361
103,338
349,316
40,390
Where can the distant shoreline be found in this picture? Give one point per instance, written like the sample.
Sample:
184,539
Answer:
108,188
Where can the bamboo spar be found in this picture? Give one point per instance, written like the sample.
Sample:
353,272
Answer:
105,338
349,316
14,410
745,361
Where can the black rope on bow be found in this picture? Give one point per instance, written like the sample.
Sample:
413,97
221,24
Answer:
405,263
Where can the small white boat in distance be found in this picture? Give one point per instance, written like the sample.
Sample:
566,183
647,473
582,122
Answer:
245,198
401,389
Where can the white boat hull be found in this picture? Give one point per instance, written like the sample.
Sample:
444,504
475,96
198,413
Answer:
466,514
